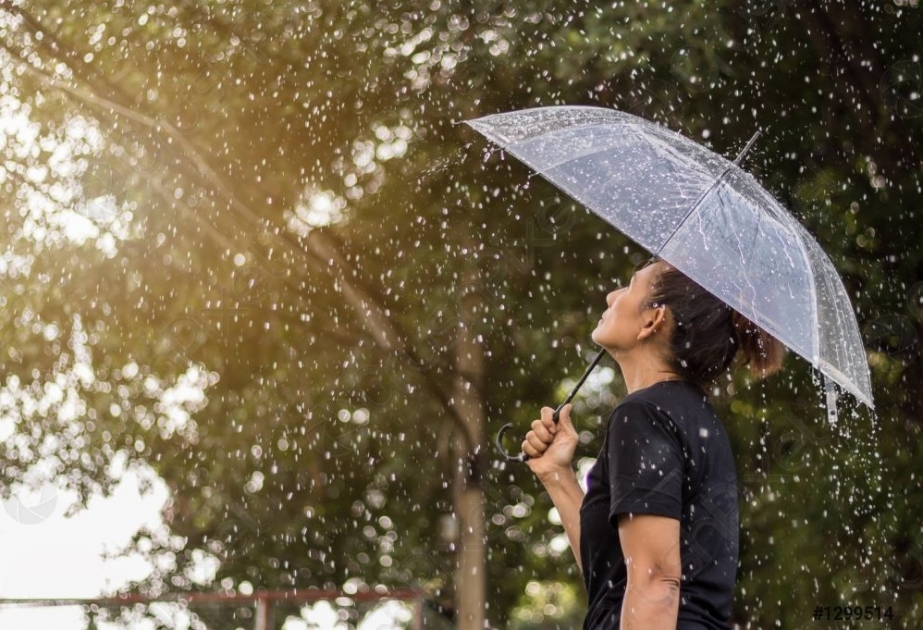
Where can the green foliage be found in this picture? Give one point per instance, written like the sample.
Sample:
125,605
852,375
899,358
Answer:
211,139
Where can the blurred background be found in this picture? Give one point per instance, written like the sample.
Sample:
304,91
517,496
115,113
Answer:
264,303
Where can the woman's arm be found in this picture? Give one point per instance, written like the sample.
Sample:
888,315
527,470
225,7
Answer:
550,448
650,545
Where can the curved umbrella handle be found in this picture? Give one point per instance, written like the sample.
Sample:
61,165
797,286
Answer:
522,457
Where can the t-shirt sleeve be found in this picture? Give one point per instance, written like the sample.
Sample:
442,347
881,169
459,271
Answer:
645,461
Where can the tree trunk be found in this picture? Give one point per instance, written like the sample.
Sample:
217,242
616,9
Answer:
471,572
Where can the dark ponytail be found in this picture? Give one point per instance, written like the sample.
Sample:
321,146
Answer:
707,334
761,352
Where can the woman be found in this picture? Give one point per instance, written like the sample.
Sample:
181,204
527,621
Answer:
656,534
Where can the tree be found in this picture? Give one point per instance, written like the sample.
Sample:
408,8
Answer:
284,212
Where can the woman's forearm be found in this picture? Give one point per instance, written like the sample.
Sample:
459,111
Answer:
567,496
550,446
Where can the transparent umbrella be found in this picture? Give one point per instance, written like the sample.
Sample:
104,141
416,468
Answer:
704,215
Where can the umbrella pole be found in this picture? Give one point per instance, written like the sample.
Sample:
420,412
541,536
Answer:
506,427
579,384
737,162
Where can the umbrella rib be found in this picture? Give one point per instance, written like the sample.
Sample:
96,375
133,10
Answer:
815,325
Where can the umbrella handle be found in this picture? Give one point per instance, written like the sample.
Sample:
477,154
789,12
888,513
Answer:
522,457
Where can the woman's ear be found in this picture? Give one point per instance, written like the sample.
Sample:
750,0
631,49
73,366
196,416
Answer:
653,319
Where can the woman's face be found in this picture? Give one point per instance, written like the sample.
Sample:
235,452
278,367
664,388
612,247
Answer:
622,323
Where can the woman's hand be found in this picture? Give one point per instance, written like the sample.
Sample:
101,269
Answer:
551,446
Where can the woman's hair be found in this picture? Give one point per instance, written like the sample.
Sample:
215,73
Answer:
707,334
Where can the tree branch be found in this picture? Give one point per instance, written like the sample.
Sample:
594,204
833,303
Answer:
327,258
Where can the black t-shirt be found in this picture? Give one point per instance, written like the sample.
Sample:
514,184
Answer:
665,453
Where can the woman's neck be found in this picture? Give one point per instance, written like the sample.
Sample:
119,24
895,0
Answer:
639,374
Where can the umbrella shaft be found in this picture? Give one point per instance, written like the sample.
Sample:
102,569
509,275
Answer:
579,384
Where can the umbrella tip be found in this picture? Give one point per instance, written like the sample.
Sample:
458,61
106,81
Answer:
740,157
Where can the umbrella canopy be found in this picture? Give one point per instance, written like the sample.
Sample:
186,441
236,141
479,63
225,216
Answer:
702,214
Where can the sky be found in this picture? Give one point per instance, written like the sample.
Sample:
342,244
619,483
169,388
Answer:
44,554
